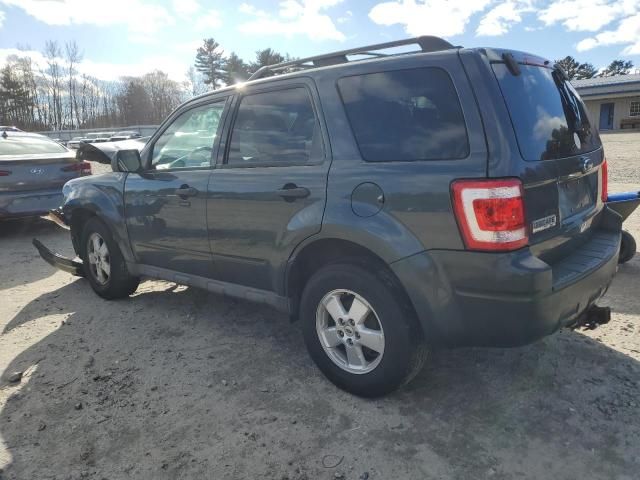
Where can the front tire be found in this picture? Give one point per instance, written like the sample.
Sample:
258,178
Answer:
359,331
103,263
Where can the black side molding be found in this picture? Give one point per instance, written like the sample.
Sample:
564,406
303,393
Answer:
54,259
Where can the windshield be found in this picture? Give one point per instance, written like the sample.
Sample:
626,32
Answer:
24,145
548,115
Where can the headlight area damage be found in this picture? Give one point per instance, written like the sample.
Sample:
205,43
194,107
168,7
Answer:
105,153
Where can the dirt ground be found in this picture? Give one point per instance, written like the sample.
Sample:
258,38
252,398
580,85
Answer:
176,383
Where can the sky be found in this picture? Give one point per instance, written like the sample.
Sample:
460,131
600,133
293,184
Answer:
132,37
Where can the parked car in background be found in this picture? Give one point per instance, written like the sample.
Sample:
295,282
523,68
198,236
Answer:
446,196
124,135
75,142
33,169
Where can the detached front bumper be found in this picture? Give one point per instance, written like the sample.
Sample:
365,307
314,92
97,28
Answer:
74,267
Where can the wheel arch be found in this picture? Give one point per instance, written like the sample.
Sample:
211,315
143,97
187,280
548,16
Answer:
91,201
319,252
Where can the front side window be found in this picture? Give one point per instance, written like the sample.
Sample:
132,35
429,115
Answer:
188,141
405,115
634,109
273,128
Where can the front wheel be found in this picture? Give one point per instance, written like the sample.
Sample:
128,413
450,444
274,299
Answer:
359,332
103,264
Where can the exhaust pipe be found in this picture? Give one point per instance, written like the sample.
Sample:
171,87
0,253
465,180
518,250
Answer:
593,317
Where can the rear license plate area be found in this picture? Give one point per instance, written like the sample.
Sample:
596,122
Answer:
577,195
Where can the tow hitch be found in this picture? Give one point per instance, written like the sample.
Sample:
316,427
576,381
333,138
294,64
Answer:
593,318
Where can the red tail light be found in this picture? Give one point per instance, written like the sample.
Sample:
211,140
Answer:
83,167
490,213
5,173
604,172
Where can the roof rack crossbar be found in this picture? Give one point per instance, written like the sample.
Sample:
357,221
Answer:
426,43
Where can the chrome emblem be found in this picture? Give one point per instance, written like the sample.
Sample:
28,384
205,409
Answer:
586,165
37,171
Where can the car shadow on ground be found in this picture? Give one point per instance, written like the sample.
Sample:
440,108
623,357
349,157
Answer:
178,383
15,242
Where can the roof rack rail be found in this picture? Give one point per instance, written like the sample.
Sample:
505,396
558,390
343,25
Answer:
426,43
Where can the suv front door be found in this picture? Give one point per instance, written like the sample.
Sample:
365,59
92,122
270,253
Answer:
165,206
268,192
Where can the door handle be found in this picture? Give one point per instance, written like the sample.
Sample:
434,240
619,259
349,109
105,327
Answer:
292,192
186,191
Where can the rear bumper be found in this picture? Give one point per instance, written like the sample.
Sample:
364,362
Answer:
509,299
31,203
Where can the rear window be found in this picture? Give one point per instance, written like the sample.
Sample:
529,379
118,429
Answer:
548,115
25,145
405,115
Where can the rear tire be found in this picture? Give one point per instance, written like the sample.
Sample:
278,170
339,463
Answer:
103,264
627,247
373,346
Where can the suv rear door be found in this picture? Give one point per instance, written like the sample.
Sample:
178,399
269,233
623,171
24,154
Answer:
268,191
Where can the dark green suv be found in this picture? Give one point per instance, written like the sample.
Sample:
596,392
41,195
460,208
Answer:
392,202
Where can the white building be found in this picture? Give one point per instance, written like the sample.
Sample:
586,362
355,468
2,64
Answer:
613,102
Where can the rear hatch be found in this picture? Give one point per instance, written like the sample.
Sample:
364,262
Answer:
561,154
29,162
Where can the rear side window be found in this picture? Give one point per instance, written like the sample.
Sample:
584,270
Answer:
405,115
273,128
28,145
548,115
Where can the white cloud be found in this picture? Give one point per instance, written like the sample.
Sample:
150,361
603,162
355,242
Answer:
174,67
346,17
252,10
586,15
501,18
2,15
185,7
428,17
142,17
295,17
209,20
626,33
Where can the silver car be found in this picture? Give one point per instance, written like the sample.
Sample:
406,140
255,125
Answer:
33,169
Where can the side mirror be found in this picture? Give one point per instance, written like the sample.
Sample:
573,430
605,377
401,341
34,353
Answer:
127,161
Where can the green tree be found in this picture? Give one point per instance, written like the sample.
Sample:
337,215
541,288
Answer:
209,62
576,70
570,65
266,57
235,70
617,67
586,70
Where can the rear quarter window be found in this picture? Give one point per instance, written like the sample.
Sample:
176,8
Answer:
405,115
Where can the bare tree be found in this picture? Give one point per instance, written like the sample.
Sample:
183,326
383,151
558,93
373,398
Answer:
73,57
53,74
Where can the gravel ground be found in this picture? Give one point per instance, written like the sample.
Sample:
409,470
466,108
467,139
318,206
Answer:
176,383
